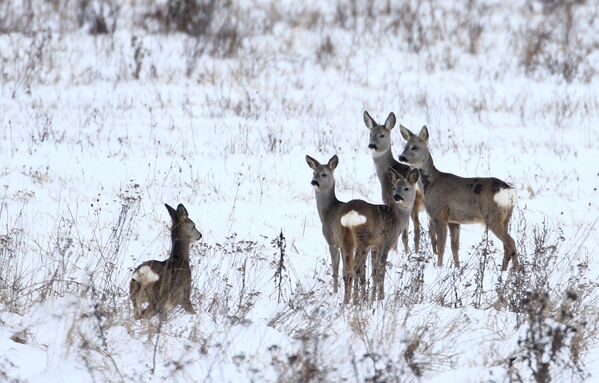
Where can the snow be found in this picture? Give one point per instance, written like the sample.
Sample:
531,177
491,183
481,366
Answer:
90,154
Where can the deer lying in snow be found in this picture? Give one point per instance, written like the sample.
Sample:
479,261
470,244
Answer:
357,227
162,285
451,200
380,145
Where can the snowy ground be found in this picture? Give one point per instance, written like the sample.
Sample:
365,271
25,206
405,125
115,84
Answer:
94,139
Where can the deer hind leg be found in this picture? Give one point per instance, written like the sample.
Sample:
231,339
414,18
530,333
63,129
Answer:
416,221
441,230
348,273
509,245
335,264
360,280
454,233
134,287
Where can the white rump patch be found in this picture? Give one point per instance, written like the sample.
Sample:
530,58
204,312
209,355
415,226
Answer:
353,218
506,198
145,275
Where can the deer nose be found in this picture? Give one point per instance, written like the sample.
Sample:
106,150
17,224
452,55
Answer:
372,146
403,159
397,198
315,183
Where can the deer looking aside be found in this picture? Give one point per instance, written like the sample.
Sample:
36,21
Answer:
380,145
163,285
452,200
356,227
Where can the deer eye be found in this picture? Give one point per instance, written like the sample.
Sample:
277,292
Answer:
323,175
405,189
382,136
414,148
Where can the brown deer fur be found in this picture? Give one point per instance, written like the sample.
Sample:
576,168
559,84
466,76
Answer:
452,200
163,285
356,227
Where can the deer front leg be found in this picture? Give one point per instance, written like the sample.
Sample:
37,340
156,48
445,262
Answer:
188,306
416,221
335,264
404,240
441,230
432,234
381,274
374,273
454,232
186,300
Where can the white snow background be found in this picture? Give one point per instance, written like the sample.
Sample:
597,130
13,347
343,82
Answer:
98,131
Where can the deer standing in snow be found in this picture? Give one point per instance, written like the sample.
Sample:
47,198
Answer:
380,145
162,285
356,227
452,200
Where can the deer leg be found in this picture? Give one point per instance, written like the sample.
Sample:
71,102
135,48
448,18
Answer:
335,263
148,312
404,240
416,221
433,234
361,255
374,273
454,232
381,273
509,245
441,230
188,306
348,274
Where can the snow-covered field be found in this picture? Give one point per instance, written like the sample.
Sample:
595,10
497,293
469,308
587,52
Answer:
97,132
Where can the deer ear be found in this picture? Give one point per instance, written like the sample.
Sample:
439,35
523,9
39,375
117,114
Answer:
424,133
172,212
312,163
413,176
390,121
333,162
392,174
182,211
405,132
369,121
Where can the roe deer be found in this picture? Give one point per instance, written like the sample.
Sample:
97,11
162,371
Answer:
451,200
356,227
380,145
162,285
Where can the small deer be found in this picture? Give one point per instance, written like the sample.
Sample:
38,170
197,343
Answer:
356,227
162,285
382,155
451,200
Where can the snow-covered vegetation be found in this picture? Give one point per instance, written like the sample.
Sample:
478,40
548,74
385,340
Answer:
109,109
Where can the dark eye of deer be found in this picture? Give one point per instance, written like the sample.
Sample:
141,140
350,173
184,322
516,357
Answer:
405,189
382,136
323,175
414,148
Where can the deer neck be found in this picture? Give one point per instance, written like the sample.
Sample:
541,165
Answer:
325,201
381,163
428,172
180,248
